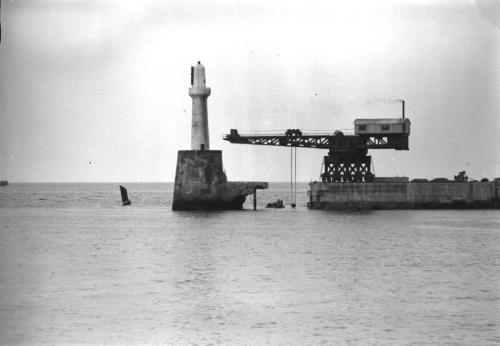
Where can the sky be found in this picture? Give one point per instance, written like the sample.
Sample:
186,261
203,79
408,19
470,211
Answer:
97,91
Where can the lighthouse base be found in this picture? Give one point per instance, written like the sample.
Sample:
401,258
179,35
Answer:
201,184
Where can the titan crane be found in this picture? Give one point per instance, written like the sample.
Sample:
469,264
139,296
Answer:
347,159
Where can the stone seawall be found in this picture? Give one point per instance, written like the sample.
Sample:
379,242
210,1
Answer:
397,195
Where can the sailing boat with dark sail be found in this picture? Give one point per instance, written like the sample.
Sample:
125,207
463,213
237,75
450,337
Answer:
125,200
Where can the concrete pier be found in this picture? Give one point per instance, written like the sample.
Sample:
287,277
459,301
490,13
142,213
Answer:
200,183
404,195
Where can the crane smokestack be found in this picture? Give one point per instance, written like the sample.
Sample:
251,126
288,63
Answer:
403,105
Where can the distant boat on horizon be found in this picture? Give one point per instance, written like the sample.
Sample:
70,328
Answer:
4,183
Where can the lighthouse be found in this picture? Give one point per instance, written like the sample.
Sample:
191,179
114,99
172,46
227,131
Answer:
200,180
199,93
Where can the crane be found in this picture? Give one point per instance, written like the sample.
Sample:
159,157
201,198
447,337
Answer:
347,159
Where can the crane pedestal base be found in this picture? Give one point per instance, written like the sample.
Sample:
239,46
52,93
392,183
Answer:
347,168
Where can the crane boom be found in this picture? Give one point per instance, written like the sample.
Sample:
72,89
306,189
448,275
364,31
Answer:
337,142
347,158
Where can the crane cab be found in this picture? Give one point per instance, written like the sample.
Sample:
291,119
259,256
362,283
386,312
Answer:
384,127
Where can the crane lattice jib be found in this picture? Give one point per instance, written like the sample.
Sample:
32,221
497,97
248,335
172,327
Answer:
338,143
347,159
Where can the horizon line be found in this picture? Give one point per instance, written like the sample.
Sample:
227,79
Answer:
128,182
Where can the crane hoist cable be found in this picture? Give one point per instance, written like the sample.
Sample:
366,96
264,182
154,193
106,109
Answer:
293,176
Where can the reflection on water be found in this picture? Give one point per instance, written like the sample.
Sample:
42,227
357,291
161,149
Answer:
77,268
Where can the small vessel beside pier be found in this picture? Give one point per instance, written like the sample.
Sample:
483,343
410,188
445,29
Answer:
277,205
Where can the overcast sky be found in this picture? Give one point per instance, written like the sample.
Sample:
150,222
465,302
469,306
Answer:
98,91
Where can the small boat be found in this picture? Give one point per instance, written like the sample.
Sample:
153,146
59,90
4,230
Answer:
277,204
4,183
125,200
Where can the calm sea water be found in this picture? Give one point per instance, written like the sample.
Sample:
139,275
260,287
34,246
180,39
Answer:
78,268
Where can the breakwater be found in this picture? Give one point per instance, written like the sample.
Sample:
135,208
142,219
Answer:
404,195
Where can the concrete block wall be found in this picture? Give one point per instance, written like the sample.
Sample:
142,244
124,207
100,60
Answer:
404,195
451,192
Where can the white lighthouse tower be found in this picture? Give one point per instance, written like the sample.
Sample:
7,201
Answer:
199,93
200,180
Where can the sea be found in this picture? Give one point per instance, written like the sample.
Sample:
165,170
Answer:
77,268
